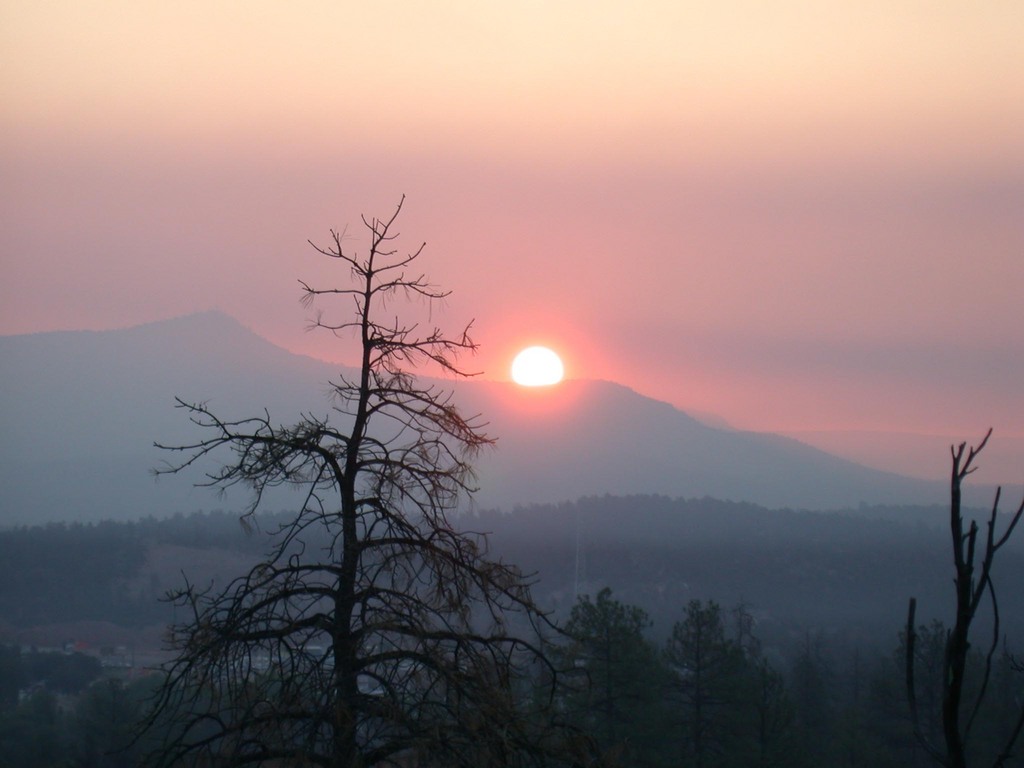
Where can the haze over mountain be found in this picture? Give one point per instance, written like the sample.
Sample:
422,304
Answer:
80,412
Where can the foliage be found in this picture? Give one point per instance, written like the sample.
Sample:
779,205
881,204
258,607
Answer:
803,570
707,699
105,723
618,677
93,565
35,733
707,680
771,739
65,673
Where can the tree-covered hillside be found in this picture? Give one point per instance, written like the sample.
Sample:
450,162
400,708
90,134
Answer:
810,609
845,573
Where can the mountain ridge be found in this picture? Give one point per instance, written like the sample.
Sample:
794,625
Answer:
81,410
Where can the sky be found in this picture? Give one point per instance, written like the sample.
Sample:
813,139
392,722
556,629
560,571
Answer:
798,217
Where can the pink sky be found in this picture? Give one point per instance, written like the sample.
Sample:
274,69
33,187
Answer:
799,216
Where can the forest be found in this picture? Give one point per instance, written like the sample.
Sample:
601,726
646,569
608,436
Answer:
827,572
796,617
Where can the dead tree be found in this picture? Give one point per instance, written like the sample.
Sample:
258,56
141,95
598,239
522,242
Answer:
973,582
374,633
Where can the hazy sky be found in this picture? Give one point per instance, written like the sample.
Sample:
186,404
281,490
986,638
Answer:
796,215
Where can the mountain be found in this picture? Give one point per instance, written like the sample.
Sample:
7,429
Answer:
79,412
596,437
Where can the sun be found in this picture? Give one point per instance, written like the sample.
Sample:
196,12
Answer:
537,367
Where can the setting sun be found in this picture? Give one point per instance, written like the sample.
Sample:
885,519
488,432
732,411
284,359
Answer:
537,367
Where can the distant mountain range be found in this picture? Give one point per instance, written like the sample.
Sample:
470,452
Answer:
79,412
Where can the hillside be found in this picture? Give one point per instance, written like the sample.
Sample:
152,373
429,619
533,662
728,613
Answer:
80,412
845,573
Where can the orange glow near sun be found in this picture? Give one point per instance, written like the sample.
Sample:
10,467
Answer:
537,367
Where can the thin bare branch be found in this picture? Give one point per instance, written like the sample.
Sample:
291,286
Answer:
972,581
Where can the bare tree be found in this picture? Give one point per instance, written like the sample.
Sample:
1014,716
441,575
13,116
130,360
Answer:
374,633
973,582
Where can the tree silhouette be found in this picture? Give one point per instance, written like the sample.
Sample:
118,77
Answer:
707,677
973,583
617,685
374,633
